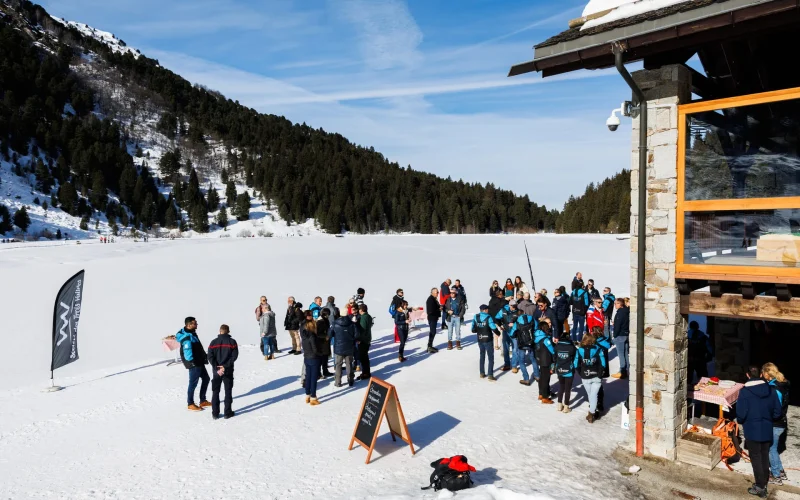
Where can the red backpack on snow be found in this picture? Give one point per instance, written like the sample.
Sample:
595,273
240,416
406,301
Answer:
451,474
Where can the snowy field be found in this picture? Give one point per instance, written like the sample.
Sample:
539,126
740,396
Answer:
120,429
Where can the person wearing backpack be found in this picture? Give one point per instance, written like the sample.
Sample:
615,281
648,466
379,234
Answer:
364,341
565,359
590,361
604,343
781,386
444,294
544,356
397,301
522,339
757,408
222,354
483,325
453,310
580,305
401,322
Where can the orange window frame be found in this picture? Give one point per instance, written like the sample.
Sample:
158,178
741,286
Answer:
737,273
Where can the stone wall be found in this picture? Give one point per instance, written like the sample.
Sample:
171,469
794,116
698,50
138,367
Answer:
665,328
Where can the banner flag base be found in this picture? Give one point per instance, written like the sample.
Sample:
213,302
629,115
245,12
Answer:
53,388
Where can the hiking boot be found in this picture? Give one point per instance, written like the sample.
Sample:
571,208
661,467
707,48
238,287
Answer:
229,415
505,369
271,356
590,417
566,409
491,378
266,358
775,480
458,345
314,402
758,491
483,376
547,401
194,407
449,346
540,397
525,382
514,370
204,404
560,407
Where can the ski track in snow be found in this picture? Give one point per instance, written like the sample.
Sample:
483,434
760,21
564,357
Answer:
120,429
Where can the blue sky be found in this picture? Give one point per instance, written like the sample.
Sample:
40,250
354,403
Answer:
422,81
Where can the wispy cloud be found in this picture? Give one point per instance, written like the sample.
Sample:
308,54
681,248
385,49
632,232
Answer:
387,32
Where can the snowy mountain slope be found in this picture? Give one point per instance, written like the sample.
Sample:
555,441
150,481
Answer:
120,429
107,38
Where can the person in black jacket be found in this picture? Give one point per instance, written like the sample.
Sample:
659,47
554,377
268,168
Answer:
560,306
621,332
401,321
291,323
343,331
313,354
323,325
222,354
496,303
434,312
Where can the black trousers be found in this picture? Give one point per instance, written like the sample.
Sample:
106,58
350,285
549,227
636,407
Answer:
432,324
601,397
363,358
564,389
402,332
759,459
444,321
216,383
544,361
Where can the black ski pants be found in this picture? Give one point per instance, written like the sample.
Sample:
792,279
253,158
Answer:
216,383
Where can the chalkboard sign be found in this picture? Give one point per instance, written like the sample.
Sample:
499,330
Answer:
379,401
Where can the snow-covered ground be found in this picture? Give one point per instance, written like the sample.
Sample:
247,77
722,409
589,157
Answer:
120,429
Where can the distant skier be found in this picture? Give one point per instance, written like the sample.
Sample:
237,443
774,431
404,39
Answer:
222,354
194,359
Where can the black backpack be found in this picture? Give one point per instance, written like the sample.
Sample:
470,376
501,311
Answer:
525,335
452,474
590,363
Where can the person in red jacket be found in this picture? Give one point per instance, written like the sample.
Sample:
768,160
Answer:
594,316
444,294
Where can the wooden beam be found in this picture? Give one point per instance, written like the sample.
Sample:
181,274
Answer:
731,305
704,86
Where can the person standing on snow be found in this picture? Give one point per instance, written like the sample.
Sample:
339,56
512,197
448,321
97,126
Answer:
604,343
364,341
577,281
520,287
545,312
312,357
594,294
259,309
595,316
358,298
622,331
580,305
496,305
330,306
506,319
561,307
397,303
401,321
453,309
483,325
194,359
526,305
462,296
757,408
291,323
343,332
608,309
444,294
434,310
323,326
564,361
777,380
543,346
522,339
269,332
590,363
222,354
508,290
494,288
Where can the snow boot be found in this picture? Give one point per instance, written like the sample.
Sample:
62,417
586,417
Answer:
266,358
194,407
314,402
308,399
491,378
560,407
590,417
449,346
458,345
525,382
505,369
566,409
204,404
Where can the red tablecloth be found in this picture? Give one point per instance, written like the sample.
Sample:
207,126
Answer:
714,394
417,315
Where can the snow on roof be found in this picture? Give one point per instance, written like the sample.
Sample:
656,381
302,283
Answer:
623,9
107,38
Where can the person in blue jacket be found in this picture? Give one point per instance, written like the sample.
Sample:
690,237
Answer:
484,326
316,308
565,359
579,301
608,309
590,363
781,386
522,334
195,360
542,340
604,343
757,408
506,318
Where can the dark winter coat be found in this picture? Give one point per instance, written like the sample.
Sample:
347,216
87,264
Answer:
454,307
757,408
561,307
493,291
608,304
594,293
580,302
699,346
483,325
565,359
397,302
444,293
331,307
192,352
432,308
223,351
576,283
550,314
622,322
496,304
311,344
292,320
365,326
323,325
782,391
343,332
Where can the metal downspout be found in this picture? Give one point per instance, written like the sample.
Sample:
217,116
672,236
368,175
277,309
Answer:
641,235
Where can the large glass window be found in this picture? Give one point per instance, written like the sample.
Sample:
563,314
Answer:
767,238
743,152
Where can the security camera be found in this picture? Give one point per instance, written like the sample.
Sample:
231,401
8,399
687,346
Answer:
613,122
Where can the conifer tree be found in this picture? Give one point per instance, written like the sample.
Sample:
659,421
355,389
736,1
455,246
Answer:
212,199
5,220
99,196
199,219
171,218
230,194
68,198
222,218
242,211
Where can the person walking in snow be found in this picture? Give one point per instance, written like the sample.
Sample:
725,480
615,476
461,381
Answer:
590,362
453,309
222,354
564,361
194,359
343,332
316,307
543,346
483,325
434,310
401,322
520,287
291,323
269,332
444,294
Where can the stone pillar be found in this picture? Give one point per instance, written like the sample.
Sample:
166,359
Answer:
665,329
